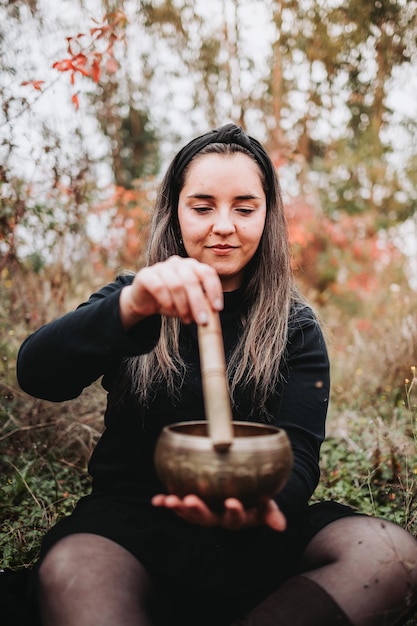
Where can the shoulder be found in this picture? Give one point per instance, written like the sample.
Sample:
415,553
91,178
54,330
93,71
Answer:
301,316
304,329
111,288
119,282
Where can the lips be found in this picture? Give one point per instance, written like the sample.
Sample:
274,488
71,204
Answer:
222,249
222,246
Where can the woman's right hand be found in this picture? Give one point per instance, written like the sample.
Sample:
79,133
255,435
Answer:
178,287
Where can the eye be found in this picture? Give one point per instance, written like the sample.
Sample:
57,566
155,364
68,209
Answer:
244,210
202,208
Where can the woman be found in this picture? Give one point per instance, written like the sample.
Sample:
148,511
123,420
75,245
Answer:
132,555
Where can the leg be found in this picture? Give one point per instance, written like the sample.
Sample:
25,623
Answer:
356,571
86,579
368,566
298,602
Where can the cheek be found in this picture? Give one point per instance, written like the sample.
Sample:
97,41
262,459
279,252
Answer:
191,235
255,233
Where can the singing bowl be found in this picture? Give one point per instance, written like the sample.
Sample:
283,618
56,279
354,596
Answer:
254,468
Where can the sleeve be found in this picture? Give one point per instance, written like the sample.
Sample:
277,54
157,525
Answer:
66,355
303,408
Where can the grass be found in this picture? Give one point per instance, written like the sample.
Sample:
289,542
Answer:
36,493
369,458
378,478
367,461
43,462
42,486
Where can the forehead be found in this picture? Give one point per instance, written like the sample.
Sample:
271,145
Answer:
225,167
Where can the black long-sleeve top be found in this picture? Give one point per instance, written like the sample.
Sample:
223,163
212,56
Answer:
63,357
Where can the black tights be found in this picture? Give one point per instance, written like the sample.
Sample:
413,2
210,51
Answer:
357,570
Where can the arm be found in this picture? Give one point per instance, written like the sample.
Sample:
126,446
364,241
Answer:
63,357
303,408
123,319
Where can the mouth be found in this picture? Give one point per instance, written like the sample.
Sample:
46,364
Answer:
222,249
222,246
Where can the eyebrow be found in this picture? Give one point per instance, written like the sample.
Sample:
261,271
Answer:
207,196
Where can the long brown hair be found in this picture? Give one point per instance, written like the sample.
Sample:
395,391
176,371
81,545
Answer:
268,292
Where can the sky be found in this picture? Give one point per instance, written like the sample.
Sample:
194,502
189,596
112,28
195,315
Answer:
32,51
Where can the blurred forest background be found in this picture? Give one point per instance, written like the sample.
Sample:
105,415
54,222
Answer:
96,97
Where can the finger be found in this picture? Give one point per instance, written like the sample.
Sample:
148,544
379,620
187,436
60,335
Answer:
197,511
195,287
173,502
186,289
158,499
151,288
177,288
212,287
190,508
234,516
169,501
273,517
176,505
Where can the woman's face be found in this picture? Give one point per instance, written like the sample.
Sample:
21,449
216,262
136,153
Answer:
221,213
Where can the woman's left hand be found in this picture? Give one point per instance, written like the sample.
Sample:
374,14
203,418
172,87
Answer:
234,516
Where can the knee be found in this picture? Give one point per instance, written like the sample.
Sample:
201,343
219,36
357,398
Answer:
371,558
366,543
58,570
390,543
393,553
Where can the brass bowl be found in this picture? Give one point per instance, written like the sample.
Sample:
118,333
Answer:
254,468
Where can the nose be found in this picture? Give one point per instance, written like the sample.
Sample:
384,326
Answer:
223,223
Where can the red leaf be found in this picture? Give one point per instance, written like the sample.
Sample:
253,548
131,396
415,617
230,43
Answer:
80,58
83,70
64,65
36,84
95,70
79,64
75,101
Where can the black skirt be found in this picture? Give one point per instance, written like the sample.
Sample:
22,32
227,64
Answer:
221,574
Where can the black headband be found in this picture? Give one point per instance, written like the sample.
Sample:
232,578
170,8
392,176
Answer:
230,133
